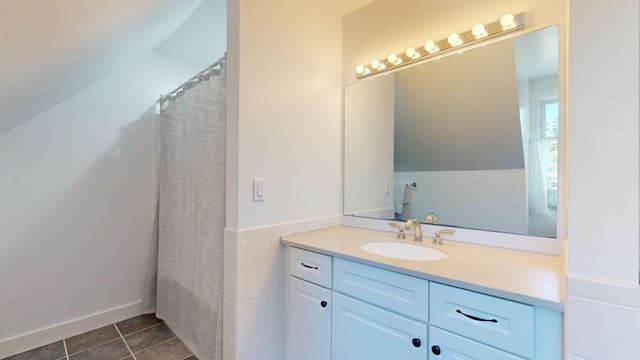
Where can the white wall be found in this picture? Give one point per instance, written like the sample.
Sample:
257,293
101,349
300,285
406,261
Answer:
289,116
284,125
602,302
77,190
368,147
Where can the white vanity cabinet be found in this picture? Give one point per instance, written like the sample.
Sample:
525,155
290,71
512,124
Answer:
344,310
309,306
378,314
500,323
470,325
444,345
363,331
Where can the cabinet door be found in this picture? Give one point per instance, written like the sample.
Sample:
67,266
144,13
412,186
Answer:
308,321
365,332
444,345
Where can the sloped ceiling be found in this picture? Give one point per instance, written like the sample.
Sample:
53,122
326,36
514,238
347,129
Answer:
52,49
49,50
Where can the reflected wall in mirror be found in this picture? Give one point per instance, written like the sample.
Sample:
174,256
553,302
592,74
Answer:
476,132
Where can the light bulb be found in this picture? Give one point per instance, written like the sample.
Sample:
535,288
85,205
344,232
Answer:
508,21
393,59
412,53
360,69
431,47
478,31
454,39
375,63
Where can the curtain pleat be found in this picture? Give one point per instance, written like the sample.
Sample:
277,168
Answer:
191,216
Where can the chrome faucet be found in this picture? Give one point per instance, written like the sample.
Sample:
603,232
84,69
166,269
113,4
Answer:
417,229
437,240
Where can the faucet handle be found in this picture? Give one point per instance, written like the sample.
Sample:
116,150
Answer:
437,240
400,234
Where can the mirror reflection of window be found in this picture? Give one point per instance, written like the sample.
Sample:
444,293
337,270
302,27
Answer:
542,171
549,122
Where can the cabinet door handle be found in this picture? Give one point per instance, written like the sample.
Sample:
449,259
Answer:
323,304
435,349
476,318
309,266
416,342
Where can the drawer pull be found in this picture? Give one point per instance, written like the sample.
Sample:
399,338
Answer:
476,318
309,266
323,304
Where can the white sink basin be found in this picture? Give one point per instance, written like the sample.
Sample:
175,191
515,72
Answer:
404,251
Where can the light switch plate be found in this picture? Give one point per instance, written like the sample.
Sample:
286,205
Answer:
258,190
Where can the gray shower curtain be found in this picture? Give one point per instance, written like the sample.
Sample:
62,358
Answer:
191,218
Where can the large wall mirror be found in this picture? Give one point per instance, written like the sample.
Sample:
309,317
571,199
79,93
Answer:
471,137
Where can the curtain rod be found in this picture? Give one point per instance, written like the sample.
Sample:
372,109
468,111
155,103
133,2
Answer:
194,80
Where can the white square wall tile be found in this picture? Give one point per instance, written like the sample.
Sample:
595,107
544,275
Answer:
261,341
235,286
257,232
258,252
278,276
228,346
232,319
255,313
235,255
277,249
231,234
278,303
265,279
276,353
276,332
283,229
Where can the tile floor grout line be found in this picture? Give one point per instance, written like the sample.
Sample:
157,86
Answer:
66,352
95,346
160,343
139,330
125,342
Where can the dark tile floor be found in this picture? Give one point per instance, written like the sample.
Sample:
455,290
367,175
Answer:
143,337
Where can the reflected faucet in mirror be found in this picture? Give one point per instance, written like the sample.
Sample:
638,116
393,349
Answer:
431,218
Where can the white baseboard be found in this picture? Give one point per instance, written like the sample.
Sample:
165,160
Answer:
44,336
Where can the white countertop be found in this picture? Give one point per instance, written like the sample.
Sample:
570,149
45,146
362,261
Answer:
530,278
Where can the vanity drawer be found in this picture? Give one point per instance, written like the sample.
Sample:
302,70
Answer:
444,345
400,293
497,322
310,266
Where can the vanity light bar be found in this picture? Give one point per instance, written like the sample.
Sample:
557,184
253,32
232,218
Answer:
508,23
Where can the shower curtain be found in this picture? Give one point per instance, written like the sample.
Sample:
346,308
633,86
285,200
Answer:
191,215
